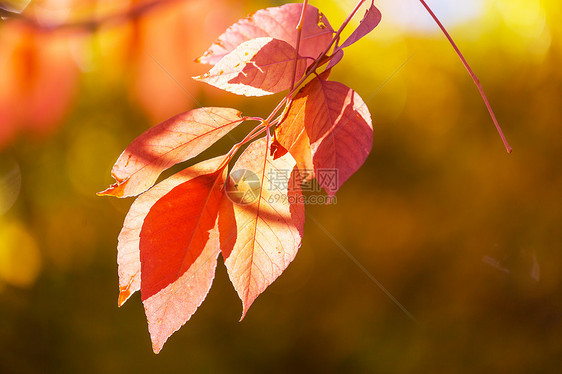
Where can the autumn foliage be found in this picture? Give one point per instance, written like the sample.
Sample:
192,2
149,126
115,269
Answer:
175,230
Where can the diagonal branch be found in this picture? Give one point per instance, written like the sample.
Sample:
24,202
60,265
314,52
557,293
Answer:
472,75
297,47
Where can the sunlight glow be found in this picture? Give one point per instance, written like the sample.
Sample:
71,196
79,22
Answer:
409,15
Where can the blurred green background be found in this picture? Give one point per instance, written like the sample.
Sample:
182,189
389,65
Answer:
466,237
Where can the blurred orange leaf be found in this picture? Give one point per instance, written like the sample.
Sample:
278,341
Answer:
38,82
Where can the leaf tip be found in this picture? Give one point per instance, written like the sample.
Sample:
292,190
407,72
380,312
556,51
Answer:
243,315
245,307
156,347
201,77
124,294
116,190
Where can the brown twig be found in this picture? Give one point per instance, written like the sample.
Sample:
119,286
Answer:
134,12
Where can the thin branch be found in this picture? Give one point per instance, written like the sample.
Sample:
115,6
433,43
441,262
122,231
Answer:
134,12
257,131
472,75
314,66
299,34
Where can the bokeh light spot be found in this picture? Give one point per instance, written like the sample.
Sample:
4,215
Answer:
91,154
10,183
20,260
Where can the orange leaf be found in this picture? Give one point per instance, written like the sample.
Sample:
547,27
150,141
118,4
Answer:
291,133
262,229
329,120
176,140
176,230
128,258
279,23
170,237
258,67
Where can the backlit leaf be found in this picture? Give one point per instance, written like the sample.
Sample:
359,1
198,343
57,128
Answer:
371,19
291,134
128,258
337,127
279,23
170,237
258,67
262,236
174,305
178,249
176,229
176,140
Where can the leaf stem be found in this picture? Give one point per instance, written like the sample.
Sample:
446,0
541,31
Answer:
257,131
472,75
315,65
281,103
336,36
299,34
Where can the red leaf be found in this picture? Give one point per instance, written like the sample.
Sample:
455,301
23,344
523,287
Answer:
174,305
337,128
176,230
336,58
291,133
170,237
258,67
128,258
279,23
263,236
176,140
371,19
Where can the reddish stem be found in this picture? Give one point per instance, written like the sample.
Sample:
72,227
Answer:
258,130
314,66
299,33
472,75
316,63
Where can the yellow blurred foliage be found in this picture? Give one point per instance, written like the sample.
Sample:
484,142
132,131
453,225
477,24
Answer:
20,259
